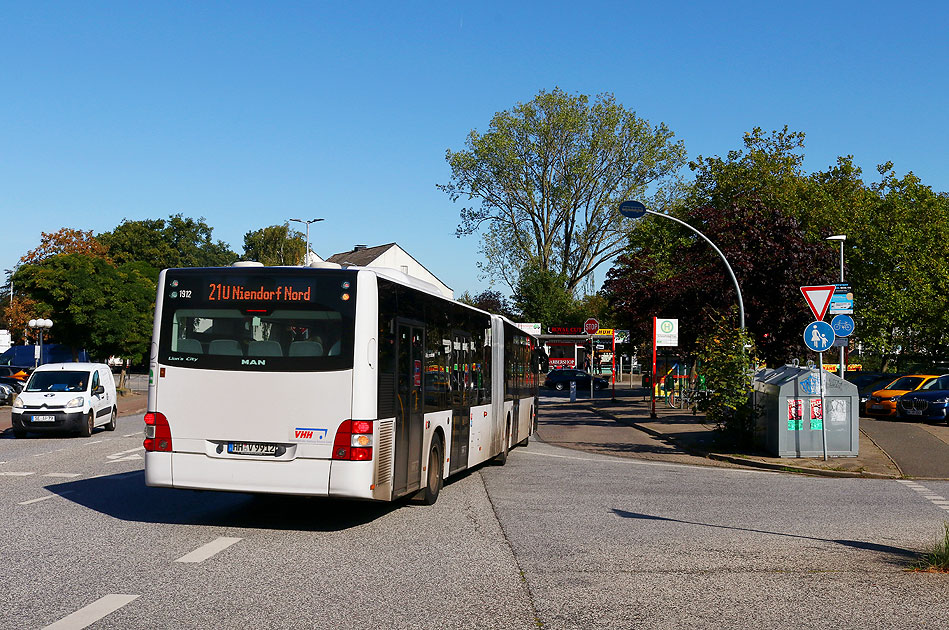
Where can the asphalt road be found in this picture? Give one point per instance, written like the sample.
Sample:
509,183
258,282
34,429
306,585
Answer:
919,449
557,538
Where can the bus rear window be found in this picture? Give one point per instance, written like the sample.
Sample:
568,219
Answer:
258,323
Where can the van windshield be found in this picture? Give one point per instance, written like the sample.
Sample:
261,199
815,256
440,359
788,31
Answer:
58,381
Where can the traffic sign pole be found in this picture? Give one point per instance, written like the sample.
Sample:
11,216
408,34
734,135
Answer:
820,387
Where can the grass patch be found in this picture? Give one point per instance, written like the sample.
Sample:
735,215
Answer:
936,558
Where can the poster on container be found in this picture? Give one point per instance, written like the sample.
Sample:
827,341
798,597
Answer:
795,414
817,415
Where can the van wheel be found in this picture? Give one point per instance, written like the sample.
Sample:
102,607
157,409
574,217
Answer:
434,473
86,429
111,425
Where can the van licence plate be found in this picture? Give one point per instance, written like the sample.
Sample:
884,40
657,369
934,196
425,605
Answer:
43,418
252,448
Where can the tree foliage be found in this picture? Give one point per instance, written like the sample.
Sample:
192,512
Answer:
547,177
727,358
491,301
275,245
752,206
95,305
65,241
160,244
541,296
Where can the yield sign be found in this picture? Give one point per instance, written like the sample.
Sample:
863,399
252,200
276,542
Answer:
818,298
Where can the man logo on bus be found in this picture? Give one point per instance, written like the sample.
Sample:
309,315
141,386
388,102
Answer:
253,361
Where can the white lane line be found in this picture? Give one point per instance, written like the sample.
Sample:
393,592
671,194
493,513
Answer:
132,434
204,552
31,501
93,442
124,455
63,475
15,474
88,615
48,496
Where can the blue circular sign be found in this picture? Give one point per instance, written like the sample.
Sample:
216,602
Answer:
843,325
819,336
632,209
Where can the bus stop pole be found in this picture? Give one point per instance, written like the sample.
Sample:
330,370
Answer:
652,381
820,384
613,369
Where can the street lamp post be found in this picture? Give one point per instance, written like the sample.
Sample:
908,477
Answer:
840,238
40,325
306,256
636,210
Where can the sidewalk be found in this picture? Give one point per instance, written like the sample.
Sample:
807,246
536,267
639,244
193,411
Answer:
127,405
690,434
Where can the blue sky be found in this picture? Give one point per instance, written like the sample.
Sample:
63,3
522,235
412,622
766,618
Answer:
251,113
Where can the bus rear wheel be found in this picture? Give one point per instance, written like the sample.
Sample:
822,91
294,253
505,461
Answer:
434,473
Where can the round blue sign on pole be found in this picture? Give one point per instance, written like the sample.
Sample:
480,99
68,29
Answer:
843,325
632,209
819,336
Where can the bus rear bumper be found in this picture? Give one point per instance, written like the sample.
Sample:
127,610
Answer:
197,471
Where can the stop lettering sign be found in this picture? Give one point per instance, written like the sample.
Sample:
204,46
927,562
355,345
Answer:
591,326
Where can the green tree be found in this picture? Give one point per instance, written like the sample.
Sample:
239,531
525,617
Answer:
726,354
758,207
547,177
491,301
275,245
897,255
178,241
94,304
541,296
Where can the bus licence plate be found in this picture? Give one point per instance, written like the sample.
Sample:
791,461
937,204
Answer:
251,448
44,418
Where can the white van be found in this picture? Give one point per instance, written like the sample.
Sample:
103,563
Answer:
66,396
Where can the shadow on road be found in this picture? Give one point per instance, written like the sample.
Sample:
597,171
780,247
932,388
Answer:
900,553
126,497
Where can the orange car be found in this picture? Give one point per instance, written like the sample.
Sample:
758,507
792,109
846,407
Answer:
882,402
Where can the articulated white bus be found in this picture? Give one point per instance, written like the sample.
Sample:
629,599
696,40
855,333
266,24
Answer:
346,382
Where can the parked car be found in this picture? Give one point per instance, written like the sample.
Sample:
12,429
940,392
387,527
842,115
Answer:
66,396
928,403
883,401
7,394
14,383
560,380
869,382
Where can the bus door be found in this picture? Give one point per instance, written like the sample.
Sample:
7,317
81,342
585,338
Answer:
461,389
410,399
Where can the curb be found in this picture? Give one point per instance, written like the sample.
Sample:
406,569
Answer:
744,461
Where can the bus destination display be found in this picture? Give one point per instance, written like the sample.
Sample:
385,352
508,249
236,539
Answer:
221,292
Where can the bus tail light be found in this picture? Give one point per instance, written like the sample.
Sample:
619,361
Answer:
157,432
353,441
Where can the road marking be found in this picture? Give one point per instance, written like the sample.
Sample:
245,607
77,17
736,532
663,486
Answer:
204,552
15,474
93,442
132,434
48,496
64,475
925,493
124,455
88,615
